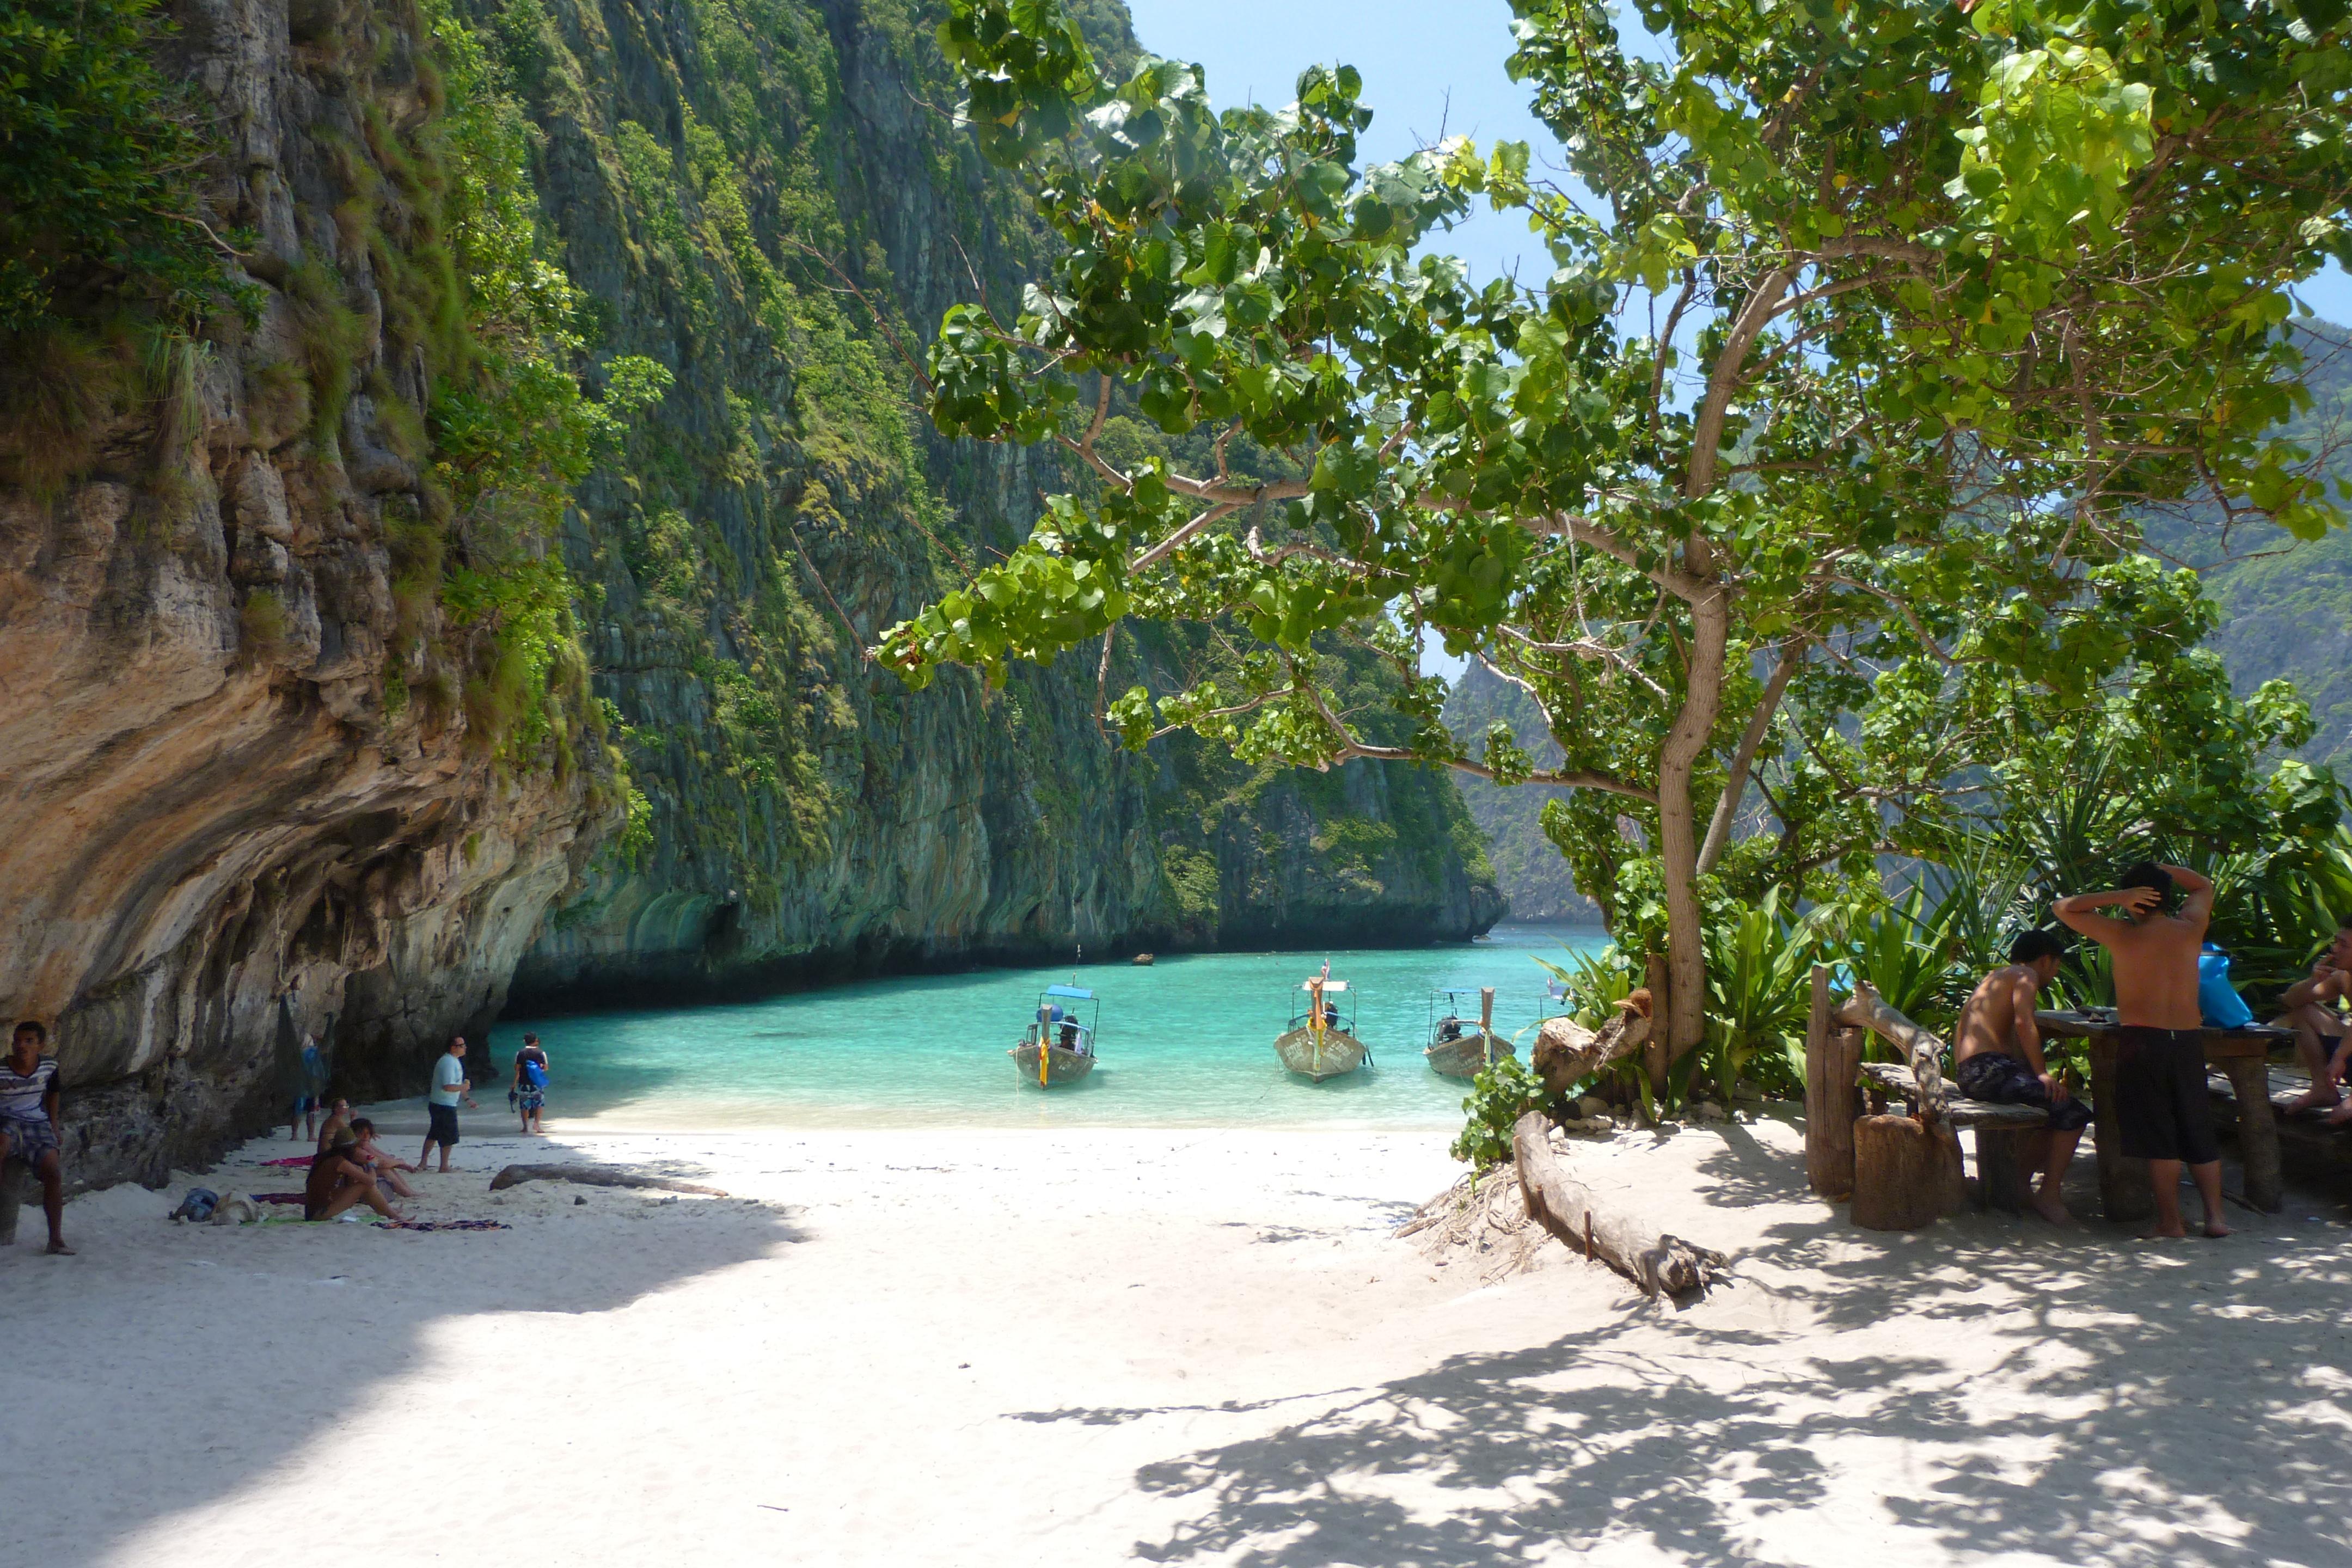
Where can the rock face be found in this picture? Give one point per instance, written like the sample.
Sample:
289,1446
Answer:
240,750
203,800
1529,868
809,817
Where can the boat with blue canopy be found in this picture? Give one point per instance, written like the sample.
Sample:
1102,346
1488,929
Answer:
1059,1046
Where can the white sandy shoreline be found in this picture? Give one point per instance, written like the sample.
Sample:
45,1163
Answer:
1192,1346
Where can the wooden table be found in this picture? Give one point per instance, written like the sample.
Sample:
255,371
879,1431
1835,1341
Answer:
2244,1054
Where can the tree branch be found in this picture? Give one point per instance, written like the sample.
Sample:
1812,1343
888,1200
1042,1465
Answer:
1735,782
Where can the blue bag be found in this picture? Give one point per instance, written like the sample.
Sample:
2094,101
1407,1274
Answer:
534,1073
2217,999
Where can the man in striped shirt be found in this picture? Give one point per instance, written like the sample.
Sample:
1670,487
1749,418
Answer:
28,1121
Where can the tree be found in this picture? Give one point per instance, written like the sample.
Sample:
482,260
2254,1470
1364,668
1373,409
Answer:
1938,304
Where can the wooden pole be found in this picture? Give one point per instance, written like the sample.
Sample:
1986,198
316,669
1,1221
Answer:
2125,1195
1832,1056
2258,1138
1486,1023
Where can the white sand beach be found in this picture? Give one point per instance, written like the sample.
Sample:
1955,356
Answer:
979,1348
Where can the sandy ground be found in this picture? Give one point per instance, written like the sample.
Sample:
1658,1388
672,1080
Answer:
1194,1348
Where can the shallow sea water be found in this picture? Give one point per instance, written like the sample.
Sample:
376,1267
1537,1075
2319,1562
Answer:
1186,1042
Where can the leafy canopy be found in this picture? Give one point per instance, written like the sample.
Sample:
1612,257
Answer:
1873,332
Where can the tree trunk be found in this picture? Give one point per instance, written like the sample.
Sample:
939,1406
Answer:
595,1176
1694,726
1899,1181
1661,1264
1659,1051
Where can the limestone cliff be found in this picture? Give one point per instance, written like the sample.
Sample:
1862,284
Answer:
304,676
203,798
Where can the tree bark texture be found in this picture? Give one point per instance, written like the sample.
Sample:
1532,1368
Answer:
1898,1174
1660,1055
595,1176
1687,741
1833,1100
1567,1053
1660,1263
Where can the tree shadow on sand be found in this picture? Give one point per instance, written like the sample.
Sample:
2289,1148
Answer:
2137,1406
159,1389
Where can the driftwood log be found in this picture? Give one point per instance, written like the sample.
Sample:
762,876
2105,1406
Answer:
1661,1264
1832,1101
1567,1053
595,1176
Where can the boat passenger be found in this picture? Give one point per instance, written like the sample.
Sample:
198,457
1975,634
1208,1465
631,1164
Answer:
1449,1028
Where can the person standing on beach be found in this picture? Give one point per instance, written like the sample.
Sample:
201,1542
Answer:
1997,1057
2162,1106
28,1121
531,1084
450,1084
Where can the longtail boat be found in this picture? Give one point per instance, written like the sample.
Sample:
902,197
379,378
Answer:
1458,1049
1320,1042
1059,1046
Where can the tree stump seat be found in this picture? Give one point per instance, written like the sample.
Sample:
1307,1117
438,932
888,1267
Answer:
18,1186
2001,1133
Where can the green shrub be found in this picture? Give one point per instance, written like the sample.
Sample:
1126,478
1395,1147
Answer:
1499,1097
98,210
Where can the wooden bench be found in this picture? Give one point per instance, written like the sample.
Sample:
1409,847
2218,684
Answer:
2001,1179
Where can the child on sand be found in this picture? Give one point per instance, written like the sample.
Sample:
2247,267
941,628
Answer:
28,1121
2162,1105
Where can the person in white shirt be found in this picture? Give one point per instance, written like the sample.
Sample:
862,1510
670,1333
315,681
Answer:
450,1084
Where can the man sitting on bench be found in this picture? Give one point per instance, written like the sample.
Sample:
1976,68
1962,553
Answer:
1998,1057
2323,1038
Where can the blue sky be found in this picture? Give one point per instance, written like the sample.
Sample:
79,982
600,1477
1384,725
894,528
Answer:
1429,68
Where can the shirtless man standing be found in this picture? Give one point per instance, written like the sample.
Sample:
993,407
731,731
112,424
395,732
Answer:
2162,1106
1998,1057
2323,1038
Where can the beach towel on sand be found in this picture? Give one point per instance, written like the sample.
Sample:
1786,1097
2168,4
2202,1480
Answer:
281,1164
442,1224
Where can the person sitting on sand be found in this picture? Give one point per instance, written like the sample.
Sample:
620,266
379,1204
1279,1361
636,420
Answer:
2162,1106
1997,1057
28,1121
380,1165
338,1122
2323,1036
530,1085
338,1182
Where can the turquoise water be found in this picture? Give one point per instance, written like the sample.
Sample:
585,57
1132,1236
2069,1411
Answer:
1187,1042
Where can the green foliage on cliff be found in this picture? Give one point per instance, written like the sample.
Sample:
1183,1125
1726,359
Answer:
99,207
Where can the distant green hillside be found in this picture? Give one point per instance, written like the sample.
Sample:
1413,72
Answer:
2286,606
